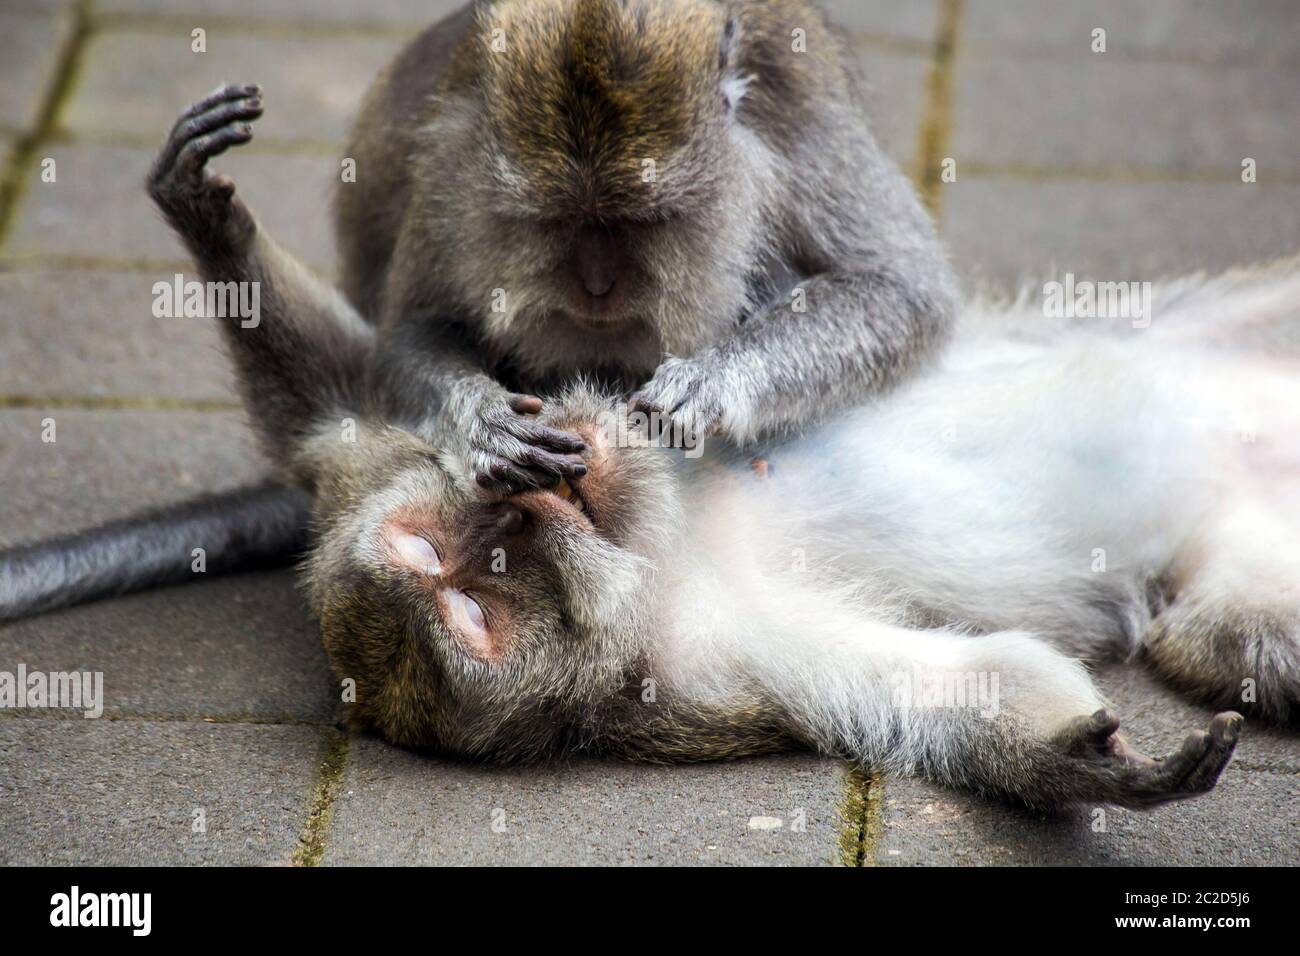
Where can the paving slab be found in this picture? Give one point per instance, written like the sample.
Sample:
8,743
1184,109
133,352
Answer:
95,334
395,807
128,792
343,12
1213,30
1250,819
109,464
8,143
1002,229
31,44
312,84
97,207
896,91
1097,110
241,647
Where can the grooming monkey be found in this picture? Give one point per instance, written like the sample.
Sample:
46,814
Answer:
678,198
556,188
947,531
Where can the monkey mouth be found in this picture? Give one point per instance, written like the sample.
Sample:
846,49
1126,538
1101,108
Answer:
562,503
572,498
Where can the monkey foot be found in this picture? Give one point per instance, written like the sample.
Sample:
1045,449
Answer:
1119,773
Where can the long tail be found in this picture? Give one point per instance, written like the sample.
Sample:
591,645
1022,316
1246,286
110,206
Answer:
258,526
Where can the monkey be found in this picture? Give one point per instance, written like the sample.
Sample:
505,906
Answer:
662,607
682,199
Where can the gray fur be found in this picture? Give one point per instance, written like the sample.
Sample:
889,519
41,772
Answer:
783,188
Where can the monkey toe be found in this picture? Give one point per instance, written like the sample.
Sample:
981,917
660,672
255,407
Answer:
1190,771
1223,734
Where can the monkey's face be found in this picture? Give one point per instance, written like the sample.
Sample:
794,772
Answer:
604,186
486,627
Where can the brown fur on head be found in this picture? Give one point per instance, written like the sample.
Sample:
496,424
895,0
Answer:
410,554
592,168
581,93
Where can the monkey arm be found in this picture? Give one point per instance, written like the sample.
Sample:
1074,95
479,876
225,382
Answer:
300,351
841,337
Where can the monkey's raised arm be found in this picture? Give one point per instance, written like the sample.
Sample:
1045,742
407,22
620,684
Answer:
300,355
303,356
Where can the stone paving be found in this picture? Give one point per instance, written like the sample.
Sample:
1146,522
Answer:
218,742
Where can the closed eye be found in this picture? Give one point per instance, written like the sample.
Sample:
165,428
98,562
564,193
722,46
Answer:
468,623
416,552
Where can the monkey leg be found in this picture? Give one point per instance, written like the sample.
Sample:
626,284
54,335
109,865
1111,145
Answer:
1231,635
1003,714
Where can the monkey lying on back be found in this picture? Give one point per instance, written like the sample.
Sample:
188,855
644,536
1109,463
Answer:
900,586
680,198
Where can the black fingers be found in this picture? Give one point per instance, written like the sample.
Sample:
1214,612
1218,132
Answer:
201,206
222,94
548,463
206,129
553,439
529,468
535,434
517,453
1191,770
504,477
198,151
1222,740
1120,774
235,111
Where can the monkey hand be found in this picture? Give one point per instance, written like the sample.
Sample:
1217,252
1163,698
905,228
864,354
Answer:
200,205
1113,771
683,402
509,452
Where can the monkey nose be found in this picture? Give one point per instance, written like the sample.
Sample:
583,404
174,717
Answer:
509,518
597,259
597,281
